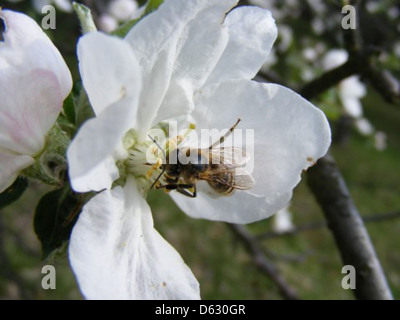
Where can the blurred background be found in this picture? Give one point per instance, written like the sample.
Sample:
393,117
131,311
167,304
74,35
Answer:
296,242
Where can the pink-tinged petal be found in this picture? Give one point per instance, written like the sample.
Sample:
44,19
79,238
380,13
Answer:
177,46
252,32
10,166
116,253
26,47
30,104
109,70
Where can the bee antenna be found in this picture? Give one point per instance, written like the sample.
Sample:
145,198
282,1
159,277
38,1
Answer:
165,157
162,150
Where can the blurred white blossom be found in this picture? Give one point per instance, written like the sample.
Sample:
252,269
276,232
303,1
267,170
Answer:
380,141
364,126
118,12
122,10
351,89
107,23
63,5
283,221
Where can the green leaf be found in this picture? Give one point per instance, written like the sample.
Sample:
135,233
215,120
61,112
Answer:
55,216
69,108
151,6
14,192
125,28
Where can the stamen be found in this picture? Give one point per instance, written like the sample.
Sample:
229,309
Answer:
155,166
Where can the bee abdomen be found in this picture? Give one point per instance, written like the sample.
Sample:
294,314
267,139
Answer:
223,184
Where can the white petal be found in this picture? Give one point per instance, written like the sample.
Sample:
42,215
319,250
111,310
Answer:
109,70
90,152
240,207
97,178
27,47
290,134
252,32
30,105
177,46
10,166
116,253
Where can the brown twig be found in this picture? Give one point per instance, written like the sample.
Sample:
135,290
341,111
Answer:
262,263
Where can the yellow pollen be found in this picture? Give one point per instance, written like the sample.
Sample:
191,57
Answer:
153,168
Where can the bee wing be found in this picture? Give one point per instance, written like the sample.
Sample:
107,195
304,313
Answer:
229,158
237,178
242,180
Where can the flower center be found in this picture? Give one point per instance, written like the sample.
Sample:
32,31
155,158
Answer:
145,159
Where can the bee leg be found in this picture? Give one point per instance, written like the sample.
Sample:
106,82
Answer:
183,189
185,192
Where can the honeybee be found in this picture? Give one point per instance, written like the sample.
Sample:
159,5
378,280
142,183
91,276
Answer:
221,168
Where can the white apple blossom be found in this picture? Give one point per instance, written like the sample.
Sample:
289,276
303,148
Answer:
190,61
34,81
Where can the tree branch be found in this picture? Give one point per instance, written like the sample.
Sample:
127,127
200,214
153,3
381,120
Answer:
348,229
330,190
329,79
262,263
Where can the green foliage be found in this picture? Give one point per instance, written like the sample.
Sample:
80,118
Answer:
151,6
13,193
55,216
69,108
